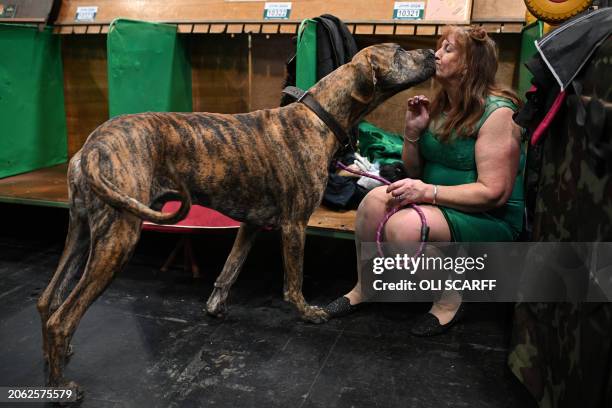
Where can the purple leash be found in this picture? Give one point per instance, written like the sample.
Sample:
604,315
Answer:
381,225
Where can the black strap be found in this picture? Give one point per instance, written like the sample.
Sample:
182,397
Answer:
308,100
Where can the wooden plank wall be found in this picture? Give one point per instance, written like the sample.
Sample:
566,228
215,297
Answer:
85,86
219,73
220,76
229,10
495,10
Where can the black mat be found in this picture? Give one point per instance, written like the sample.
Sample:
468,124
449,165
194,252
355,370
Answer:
147,341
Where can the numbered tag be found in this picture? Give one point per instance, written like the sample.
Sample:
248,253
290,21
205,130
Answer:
277,11
8,11
408,10
86,13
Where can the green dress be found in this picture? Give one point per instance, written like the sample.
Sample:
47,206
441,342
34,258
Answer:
452,163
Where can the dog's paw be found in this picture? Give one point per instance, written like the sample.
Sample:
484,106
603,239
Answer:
217,313
215,306
77,392
315,314
76,388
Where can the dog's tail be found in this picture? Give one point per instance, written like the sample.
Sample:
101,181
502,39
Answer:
109,193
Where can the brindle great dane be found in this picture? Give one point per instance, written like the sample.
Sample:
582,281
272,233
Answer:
264,168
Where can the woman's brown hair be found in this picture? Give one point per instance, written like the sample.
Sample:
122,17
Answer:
478,82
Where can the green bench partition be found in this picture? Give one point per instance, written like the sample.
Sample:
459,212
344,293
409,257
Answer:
530,34
148,68
32,115
306,63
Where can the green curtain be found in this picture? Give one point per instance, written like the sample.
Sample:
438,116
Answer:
32,116
306,64
530,34
148,69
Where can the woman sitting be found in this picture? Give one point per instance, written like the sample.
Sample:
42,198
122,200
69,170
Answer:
462,152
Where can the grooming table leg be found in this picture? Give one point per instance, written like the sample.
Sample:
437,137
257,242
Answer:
190,261
173,255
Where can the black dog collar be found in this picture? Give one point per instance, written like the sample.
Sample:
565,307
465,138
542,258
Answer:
308,100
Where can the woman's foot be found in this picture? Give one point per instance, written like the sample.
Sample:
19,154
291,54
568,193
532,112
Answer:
355,296
444,312
340,307
429,324
344,305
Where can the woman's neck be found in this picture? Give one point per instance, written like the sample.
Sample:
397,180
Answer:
453,93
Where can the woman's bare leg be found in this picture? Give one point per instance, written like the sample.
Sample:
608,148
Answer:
404,226
371,210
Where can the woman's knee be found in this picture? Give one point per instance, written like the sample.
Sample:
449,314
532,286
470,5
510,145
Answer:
371,210
375,199
404,226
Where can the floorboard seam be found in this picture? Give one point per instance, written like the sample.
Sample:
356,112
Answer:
16,288
320,369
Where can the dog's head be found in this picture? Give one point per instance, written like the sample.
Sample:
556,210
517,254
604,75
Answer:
386,69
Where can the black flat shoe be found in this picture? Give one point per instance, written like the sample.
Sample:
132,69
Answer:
428,325
340,307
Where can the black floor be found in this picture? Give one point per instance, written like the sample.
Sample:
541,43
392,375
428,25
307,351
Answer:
148,343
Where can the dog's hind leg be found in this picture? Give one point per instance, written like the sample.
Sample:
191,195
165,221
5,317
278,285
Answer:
72,261
113,238
293,239
217,302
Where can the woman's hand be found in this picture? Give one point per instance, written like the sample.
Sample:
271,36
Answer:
417,116
409,191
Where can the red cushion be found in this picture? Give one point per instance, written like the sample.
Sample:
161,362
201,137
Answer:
198,218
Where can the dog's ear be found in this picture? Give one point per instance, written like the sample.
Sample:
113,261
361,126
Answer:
366,80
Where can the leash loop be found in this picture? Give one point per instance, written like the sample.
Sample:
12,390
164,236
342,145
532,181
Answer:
381,225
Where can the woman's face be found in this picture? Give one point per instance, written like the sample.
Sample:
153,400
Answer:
448,60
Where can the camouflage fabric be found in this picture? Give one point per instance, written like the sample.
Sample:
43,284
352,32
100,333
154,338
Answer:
562,352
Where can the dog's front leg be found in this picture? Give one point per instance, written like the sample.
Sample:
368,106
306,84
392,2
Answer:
216,304
293,238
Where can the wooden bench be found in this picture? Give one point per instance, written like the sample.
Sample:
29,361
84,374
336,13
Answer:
48,187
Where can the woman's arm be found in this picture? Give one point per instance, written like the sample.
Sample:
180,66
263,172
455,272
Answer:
411,157
497,157
417,120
